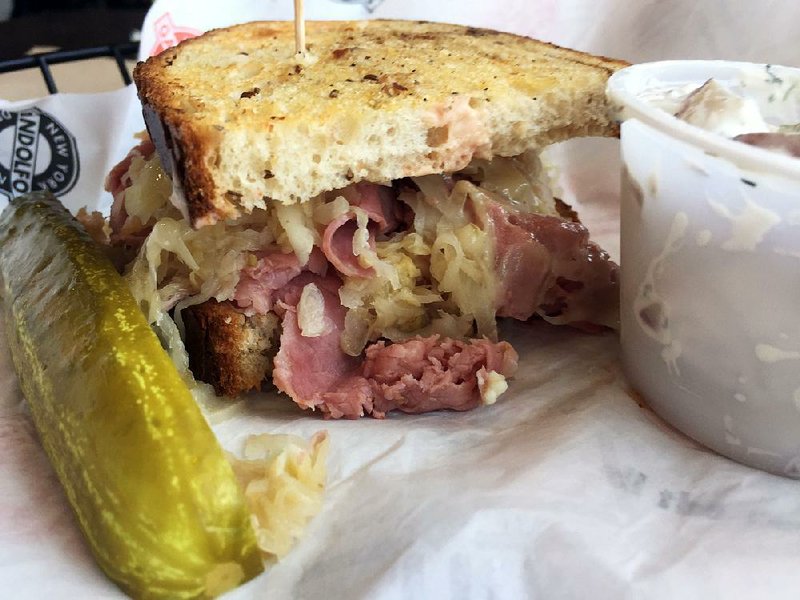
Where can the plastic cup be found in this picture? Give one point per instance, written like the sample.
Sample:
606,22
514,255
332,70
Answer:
710,256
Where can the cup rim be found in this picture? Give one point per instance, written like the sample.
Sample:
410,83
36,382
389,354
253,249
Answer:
624,86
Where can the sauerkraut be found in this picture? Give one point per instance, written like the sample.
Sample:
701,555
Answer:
295,228
311,312
436,277
149,191
178,265
284,478
462,254
462,263
394,306
523,181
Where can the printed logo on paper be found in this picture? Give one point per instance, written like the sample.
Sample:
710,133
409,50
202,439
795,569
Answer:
37,153
168,34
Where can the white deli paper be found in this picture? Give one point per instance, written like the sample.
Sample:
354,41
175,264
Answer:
566,488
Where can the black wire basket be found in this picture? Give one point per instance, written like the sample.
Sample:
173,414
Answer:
119,52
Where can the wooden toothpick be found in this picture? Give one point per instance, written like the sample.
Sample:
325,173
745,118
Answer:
299,28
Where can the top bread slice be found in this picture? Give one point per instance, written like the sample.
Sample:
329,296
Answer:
240,119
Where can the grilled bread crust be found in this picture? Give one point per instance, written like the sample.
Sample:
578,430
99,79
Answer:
229,350
241,120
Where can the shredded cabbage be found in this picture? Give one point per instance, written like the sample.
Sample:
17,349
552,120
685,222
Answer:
492,385
180,266
150,188
311,312
462,262
522,180
438,278
394,305
462,254
296,231
284,481
325,212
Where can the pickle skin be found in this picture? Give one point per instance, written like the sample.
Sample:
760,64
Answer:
150,485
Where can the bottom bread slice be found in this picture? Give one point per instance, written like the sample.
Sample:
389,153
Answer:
228,349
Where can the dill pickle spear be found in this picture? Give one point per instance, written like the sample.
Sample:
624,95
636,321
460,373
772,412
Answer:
151,487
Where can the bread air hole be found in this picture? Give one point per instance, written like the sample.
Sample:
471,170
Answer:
437,136
434,158
214,160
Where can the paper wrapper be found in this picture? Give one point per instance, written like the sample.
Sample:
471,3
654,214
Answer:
566,488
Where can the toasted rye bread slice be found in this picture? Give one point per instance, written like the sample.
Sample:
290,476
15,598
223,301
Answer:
228,349
239,119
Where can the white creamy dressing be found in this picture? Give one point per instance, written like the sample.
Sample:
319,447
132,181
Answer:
732,439
648,300
717,109
769,354
748,226
667,98
703,237
785,252
794,217
759,100
761,451
670,355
